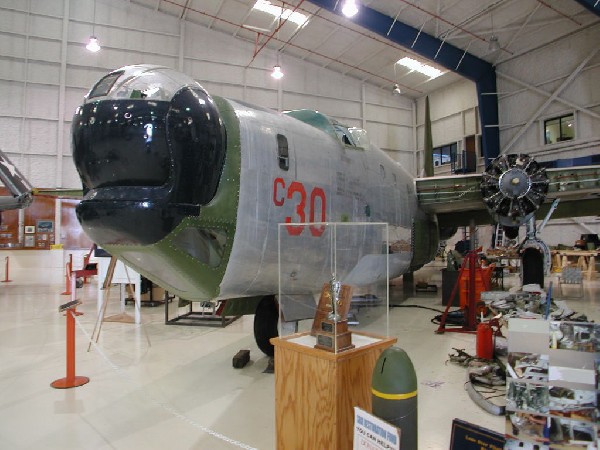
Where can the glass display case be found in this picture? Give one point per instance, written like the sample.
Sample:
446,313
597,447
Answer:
334,284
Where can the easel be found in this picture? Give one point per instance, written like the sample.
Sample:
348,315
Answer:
122,317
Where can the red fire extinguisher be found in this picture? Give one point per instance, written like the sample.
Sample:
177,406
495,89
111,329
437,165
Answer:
484,343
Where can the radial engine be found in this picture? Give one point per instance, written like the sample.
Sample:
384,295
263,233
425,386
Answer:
513,187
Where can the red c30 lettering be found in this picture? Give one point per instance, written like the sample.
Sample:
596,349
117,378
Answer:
297,193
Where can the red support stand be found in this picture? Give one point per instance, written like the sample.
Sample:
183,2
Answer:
6,280
470,263
71,380
89,270
68,276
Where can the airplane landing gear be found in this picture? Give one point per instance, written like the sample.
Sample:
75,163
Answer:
265,324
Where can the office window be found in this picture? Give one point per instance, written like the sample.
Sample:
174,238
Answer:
444,154
559,129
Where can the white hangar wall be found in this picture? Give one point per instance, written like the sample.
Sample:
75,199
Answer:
45,71
561,78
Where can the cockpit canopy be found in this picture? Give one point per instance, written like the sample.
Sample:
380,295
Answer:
351,137
142,81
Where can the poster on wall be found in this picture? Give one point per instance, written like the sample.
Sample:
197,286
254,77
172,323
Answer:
552,385
45,226
29,241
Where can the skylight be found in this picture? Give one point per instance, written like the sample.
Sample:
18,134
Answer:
279,12
417,66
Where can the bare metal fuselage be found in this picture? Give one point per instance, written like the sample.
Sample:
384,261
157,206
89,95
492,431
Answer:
352,184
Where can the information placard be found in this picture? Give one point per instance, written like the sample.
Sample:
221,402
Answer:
372,433
467,436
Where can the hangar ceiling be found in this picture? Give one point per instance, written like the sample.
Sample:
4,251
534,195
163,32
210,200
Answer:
319,36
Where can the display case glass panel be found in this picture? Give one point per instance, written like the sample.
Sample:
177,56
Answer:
334,284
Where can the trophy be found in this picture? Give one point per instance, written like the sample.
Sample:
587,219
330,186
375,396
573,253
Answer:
331,325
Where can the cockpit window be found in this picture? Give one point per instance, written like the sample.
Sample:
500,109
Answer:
344,135
104,86
360,137
143,82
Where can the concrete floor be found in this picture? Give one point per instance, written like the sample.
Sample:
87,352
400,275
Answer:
156,387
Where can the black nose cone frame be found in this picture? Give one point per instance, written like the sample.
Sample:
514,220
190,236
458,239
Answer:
146,164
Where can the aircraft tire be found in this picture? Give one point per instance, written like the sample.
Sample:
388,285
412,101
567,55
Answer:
265,324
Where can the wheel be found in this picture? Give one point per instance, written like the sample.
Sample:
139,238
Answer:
265,324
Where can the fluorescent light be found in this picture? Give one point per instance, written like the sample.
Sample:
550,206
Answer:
277,73
349,9
417,66
280,12
93,45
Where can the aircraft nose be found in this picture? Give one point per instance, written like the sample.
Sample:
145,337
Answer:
146,164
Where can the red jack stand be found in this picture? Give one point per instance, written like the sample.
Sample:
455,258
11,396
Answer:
470,263
70,380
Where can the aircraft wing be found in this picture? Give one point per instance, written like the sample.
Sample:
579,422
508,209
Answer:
510,194
17,185
75,194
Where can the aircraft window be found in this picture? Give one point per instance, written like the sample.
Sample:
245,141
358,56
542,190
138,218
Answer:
359,137
344,135
104,86
283,154
205,245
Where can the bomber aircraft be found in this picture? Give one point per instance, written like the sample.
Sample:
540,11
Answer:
189,189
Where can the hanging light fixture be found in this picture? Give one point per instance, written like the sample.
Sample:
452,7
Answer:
494,45
277,73
396,90
93,45
349,9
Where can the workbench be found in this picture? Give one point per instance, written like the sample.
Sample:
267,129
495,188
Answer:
583,259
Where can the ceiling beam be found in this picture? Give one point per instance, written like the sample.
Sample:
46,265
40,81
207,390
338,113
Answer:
549,94
482,73
592,5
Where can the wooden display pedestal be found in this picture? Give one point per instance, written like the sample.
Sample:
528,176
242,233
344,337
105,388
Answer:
316,390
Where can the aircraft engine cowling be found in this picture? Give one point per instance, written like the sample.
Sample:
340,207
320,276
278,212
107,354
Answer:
513,187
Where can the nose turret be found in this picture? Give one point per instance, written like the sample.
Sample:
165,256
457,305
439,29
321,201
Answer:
149,146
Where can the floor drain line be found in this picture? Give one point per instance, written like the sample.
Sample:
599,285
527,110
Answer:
168,408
